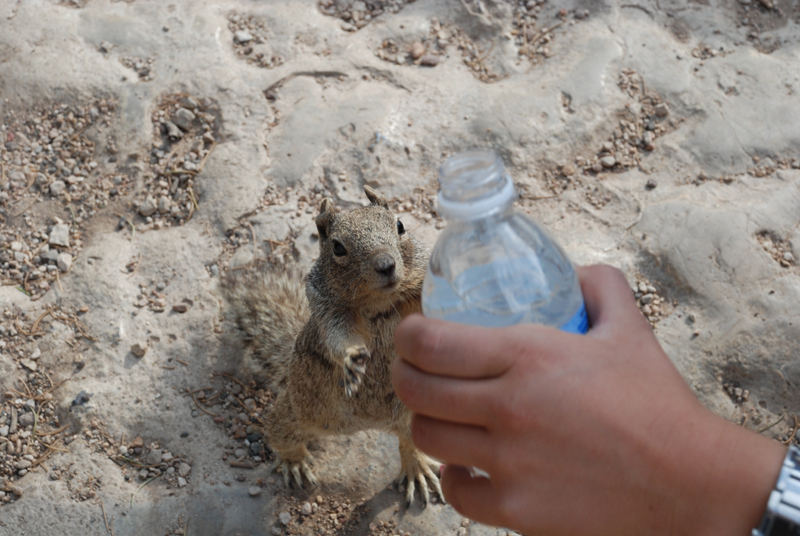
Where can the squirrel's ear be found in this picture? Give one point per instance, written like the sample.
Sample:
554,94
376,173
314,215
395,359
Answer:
326,212
374,197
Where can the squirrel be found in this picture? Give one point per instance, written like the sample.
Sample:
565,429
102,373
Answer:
329,350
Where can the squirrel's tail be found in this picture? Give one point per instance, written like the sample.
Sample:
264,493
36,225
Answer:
271,309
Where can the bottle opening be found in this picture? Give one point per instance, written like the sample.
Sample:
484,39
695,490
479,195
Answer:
473,183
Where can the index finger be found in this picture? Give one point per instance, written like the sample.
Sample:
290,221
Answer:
456,350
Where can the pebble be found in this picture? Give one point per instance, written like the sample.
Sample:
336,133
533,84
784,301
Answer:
154,457
28,364
254,491
242,37
181,482
788,257
184,469
662,110
417,50
139,350
183,118
306,509
23,464
64,261
59,235
36,353
180,308
57,188
429,60
608,161
164,204
26,419
148,207
3,431
285,517
173,132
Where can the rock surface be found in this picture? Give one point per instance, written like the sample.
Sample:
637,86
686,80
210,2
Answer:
191,130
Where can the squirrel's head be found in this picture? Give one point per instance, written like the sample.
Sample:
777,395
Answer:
366,251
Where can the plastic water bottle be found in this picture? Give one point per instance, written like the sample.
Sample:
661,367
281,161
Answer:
493,266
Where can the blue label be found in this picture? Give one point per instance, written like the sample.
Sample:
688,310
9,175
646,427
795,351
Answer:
579,323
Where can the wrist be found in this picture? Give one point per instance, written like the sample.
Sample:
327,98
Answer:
733,477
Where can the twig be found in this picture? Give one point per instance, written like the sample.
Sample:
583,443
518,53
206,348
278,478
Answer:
230,377
242,464
201,408
794,431
771,425
105,519
146,482
182,362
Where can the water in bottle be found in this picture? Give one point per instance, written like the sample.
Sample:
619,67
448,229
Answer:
492,265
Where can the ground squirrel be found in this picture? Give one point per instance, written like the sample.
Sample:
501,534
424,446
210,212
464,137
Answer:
329,356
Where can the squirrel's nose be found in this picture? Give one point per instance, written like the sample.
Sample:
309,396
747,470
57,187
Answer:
384,265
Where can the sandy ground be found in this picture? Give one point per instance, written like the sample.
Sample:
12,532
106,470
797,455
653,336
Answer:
146,146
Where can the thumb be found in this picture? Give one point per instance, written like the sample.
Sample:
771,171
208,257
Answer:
609,300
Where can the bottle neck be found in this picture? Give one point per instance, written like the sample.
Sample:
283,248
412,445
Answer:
474,184
495,203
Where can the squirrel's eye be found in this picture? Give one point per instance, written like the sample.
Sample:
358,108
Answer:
400,227
338,249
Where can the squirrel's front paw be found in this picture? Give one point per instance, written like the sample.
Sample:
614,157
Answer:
355,365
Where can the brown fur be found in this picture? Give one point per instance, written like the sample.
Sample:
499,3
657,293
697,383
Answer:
330,358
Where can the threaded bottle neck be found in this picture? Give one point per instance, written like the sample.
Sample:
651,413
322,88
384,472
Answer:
474,184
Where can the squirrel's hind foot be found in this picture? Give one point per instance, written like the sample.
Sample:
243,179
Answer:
420,471
295,471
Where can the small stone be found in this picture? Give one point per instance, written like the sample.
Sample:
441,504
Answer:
23,464
4,430
568,170
608,161
242,37
64,261
164,204
148,207
181,482
154,457
59,235
417,50
28,364
36,353
26,419
285,517
429,60
254,491
184,469
648,141
173,132
57,188
180,308
183,118
662,110
139,350
306,509
138,442
788,257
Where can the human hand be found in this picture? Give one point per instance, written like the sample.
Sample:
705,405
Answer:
581,434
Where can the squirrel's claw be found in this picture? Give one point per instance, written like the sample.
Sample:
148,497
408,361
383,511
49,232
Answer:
421,475
355,365
295,470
